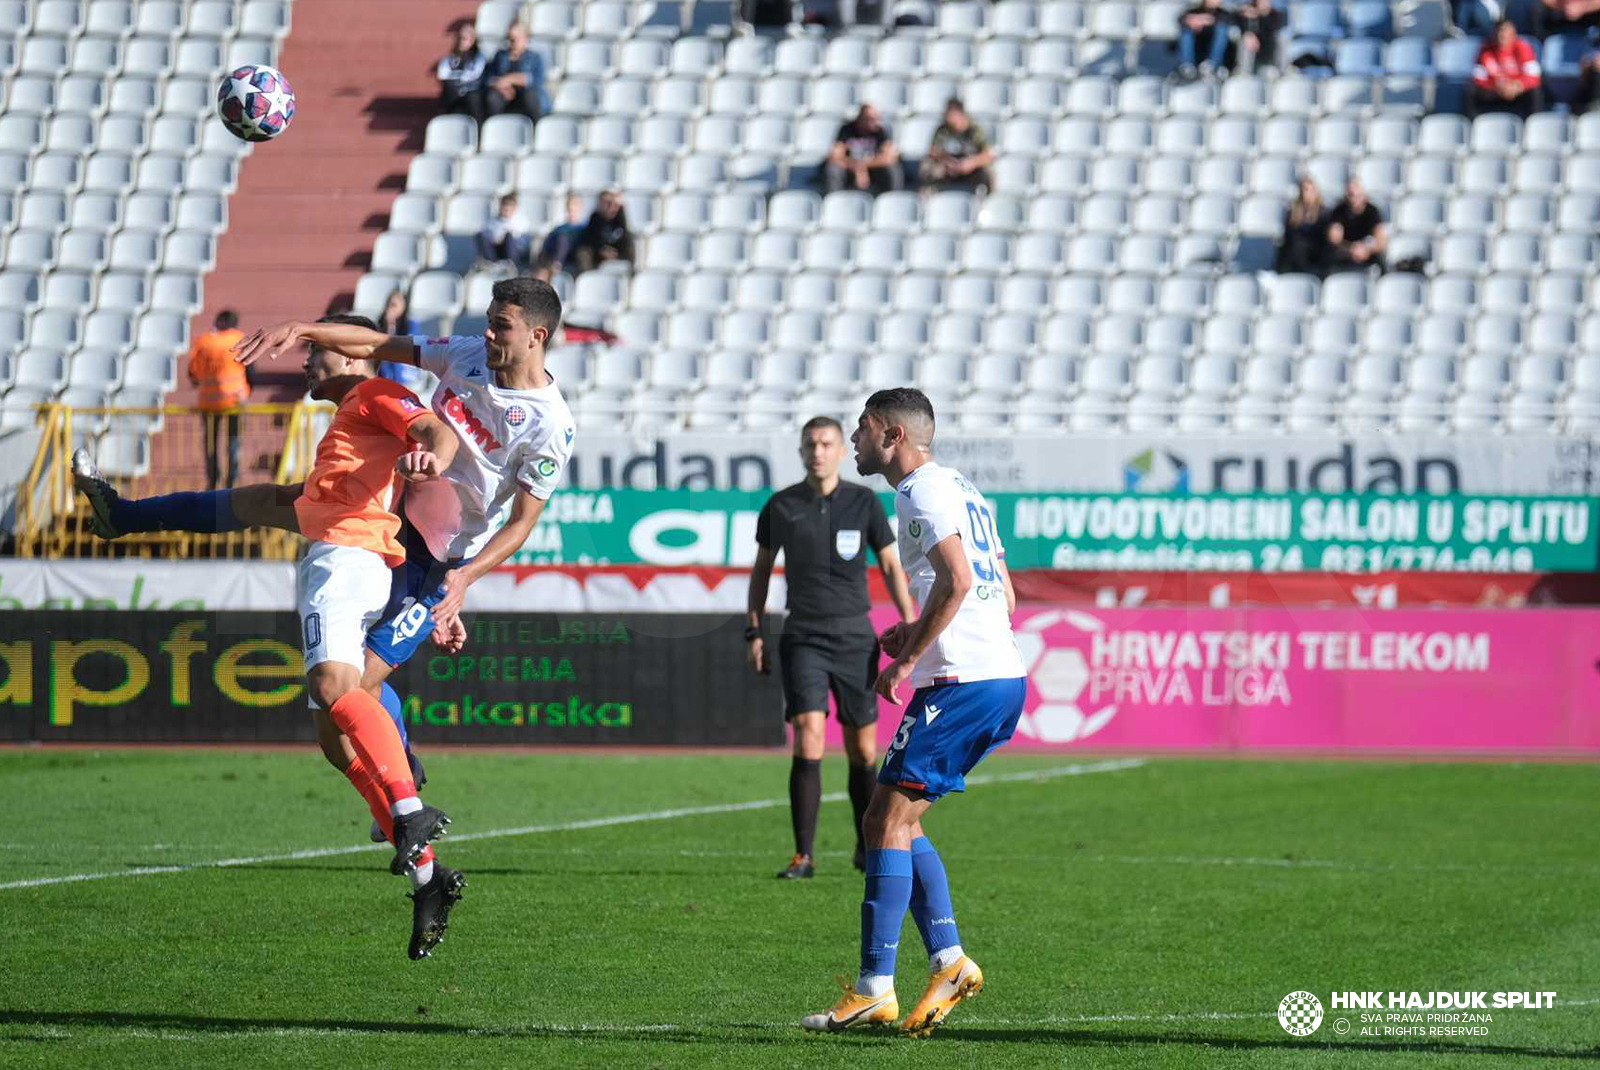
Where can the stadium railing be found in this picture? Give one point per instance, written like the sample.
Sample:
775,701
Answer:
159,450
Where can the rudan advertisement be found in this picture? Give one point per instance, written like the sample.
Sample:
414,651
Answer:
523,678
1310,680
1133,532
1380,464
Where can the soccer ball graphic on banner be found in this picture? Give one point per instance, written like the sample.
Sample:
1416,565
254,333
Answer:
1058,670
255,103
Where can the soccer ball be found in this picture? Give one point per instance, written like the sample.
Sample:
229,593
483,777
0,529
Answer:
1052,645
255,103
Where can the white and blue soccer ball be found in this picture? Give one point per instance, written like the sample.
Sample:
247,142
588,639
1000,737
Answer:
255,103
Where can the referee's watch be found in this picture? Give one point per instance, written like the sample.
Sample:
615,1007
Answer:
752,632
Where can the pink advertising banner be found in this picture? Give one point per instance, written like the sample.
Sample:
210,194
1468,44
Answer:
1264,679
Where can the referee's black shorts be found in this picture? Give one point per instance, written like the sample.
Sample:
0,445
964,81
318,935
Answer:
844,663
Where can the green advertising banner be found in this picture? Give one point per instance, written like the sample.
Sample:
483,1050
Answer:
1123,532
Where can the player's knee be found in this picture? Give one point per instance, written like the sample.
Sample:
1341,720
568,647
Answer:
329,682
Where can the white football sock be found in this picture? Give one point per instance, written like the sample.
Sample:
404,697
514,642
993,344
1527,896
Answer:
875,984
422,875
405,806
946,958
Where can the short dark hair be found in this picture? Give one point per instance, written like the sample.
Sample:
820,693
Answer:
538,301
344,317
227,320
817,423
900,404
954,104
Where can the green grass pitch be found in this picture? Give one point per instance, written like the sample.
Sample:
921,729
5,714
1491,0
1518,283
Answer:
1147,916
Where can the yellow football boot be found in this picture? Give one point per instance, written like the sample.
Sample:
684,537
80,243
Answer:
945,989
854,1010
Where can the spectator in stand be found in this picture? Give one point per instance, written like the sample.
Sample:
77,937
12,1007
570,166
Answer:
1357,237
864,156
959,157
461,74
606,236
1588,83
1551,17
516,78
1202,39
1259,23
1304,247
561,244
224,388
1507,76
396,319
506,236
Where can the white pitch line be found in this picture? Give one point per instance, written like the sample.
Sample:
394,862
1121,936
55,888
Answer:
1080,769
178,1031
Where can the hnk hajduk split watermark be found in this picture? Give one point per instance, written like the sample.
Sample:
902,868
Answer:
1406,1014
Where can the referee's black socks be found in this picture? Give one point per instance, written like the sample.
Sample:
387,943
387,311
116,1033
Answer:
863,780
805,797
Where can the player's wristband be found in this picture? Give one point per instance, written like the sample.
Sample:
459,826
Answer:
752,632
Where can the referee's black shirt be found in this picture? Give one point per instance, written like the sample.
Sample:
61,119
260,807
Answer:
824,539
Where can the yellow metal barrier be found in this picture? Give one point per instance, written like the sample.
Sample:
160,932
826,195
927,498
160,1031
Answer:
277,444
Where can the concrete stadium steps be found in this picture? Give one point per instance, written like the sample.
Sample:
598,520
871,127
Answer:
308,207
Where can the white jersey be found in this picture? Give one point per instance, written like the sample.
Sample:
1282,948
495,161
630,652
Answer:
510,440
930,505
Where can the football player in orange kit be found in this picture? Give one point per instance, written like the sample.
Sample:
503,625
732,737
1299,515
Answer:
380,433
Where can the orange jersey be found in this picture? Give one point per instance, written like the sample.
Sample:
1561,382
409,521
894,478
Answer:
349,494
221,379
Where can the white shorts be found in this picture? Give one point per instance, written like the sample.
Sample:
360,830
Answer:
342,593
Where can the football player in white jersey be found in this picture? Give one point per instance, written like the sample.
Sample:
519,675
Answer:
968,682
516,435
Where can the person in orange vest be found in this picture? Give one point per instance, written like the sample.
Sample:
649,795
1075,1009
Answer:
224,386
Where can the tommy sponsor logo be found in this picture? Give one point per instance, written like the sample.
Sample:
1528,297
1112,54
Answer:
456,410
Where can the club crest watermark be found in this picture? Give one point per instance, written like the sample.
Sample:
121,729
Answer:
1300,1014
1411,1015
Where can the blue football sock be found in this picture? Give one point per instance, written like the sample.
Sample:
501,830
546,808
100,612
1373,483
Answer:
206,512
930,898
391,702
884,908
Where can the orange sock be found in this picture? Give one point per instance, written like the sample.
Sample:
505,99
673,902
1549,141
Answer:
376,742
372,791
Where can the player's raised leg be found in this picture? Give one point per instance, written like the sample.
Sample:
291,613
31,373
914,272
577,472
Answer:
215,512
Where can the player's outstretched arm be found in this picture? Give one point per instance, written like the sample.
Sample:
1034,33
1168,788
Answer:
345,339
525,511
952,579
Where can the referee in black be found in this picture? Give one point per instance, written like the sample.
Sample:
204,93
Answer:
824,526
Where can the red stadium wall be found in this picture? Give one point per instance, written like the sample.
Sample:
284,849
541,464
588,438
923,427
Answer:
309,205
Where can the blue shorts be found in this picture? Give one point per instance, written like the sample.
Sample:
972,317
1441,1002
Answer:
948,729
414,589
